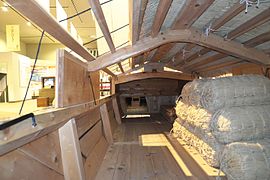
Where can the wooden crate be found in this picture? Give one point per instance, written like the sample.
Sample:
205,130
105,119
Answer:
42,102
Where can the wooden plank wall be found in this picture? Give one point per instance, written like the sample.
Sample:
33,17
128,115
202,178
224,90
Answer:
48,157
73,83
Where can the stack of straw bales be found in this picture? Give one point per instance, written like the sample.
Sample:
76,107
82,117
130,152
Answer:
228,116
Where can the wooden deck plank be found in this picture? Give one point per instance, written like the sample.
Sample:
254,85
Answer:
141,150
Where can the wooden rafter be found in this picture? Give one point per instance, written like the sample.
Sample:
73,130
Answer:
180,61
258,40
97,10
204,61
34,12
162,10
219,66
138,10
106,70
189,13
250,24
189,36
96,7
227,16
250,43
121,67
137,13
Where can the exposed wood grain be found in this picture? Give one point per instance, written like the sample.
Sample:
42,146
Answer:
89,140
250,24
97,10
46,150
218,66
106,70
70,151
227,16
212,41
162,10
86,120
116,110
250,44
74,77
106,123
95,158
18,165
190,12
140,76
47,122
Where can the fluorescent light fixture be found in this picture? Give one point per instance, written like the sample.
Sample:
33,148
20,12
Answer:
4,9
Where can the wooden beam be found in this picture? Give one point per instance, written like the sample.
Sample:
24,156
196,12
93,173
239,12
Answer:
137,8
47,22
47,122
162,10
227,16
247,26
106,70
116,110
250,24
258,40
162,51
97,10
106,123
191,36
200,62
70,151
121,67
147,75
218,66
190,12
250,44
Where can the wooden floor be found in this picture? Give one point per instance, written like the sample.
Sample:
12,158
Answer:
143,149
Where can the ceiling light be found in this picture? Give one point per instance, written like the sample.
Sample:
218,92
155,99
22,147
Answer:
28,23
4,9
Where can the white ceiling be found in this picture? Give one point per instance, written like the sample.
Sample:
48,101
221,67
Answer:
84,23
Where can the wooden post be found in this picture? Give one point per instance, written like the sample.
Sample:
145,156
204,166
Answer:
106,123
116,110
70,151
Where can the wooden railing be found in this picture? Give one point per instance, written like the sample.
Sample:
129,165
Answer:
67,143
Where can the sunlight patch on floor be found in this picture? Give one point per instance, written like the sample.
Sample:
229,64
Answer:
161,140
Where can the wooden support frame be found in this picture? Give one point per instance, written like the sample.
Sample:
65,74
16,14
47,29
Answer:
247,26
106,70
70,152
227,16
192,36
106,123
116,110
97,10
250,24
162,10
147,75
218,66
250,43
189,13
47,22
